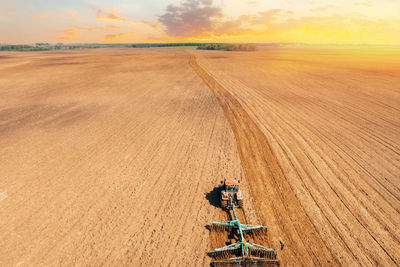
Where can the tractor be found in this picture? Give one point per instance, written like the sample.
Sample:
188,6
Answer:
231,195
242,251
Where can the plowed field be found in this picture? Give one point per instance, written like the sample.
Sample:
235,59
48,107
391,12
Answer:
106,158
318,133
110,157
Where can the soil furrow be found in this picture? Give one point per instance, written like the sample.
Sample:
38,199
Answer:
274,200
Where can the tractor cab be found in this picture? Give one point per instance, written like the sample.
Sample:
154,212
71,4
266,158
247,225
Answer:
232,188
231,185
231,195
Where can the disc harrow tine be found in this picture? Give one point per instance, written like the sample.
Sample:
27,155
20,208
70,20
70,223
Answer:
220,228
243,252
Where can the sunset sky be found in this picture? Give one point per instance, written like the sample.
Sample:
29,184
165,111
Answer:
131,21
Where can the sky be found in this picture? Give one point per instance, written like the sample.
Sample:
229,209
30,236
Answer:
160,21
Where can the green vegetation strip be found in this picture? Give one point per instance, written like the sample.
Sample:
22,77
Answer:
60,46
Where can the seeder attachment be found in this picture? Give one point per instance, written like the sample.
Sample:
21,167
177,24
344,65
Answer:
242,253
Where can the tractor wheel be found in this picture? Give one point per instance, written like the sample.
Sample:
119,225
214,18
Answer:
224,204
240,203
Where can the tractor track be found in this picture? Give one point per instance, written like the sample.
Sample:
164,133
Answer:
274,200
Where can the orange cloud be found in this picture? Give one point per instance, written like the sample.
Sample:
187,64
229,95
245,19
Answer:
274,25
40,16
250,3
112,27
95,29
111,16
202,22
70,33
119,35
156,26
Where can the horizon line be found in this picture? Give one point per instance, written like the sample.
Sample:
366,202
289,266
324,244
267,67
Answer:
195,43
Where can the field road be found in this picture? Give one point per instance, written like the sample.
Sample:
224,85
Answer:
111,156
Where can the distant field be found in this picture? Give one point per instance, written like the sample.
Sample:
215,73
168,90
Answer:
108,156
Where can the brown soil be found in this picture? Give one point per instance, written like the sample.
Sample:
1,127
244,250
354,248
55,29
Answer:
318,136
274,199
110,157
108,162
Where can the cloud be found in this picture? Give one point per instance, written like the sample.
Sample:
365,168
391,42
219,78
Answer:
112,27
203,20
40,16
108,27
95,29
252,24
119,35
366,3
190,18
250,3
70,33
265,17
335,28
322,8
200,18
111,16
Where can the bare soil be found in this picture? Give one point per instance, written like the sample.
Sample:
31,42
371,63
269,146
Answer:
318,133
108,161
112,156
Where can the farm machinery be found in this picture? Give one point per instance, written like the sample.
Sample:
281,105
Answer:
231,195
242,252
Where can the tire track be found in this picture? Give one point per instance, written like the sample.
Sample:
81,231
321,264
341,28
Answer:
274,200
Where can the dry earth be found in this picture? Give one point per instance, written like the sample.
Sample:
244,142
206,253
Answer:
108,157
318,132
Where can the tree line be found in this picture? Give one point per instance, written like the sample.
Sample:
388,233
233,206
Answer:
60,46
228,47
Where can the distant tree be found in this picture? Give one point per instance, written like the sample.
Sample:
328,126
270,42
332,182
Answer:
227,47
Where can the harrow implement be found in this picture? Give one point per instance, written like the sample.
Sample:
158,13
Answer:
242,253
